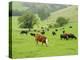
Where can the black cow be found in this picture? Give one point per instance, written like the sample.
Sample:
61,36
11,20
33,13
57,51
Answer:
53,33
64,36
70,27
42,32
56,29
63,31
72,36
32,34
24,32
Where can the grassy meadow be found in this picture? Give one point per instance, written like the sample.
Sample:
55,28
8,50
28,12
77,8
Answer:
24,46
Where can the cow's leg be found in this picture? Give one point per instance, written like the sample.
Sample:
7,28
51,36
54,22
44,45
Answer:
46,43
42,43
66,37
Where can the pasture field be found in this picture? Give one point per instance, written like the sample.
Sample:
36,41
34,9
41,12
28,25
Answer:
24,46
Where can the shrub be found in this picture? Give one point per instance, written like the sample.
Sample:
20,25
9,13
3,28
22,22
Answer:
28,20
61,21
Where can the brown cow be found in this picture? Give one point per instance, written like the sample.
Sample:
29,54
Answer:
41,38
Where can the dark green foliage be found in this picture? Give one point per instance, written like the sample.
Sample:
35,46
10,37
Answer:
61,21
28,20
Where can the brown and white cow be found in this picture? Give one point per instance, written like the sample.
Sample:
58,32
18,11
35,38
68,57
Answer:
41,38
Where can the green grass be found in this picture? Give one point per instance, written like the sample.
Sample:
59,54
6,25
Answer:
24,46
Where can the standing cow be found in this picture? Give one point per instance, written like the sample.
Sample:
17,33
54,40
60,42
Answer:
56,29
41,38
24,32
64,36
53,33
67,35
72,36
32,34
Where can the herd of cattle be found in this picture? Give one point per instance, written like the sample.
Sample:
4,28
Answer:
40,35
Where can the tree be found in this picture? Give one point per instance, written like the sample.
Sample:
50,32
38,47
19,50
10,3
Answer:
61,21
28,20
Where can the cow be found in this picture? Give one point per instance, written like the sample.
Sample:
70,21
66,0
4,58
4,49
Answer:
56,29
24,32
70,26
64,36
41,38
67,35
32,34
72,36
42,32
53,33
63,31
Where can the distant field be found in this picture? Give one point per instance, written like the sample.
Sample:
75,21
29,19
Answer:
25,45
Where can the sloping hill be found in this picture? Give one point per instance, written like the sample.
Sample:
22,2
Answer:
69,13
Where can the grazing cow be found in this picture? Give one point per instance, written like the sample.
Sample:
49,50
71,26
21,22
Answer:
24,32
53,33
70,27
32,34
72,36
56,29
64,36
41,38
63,31
67,35
43,32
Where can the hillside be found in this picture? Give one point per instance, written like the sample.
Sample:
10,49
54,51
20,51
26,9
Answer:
69,13
43,10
